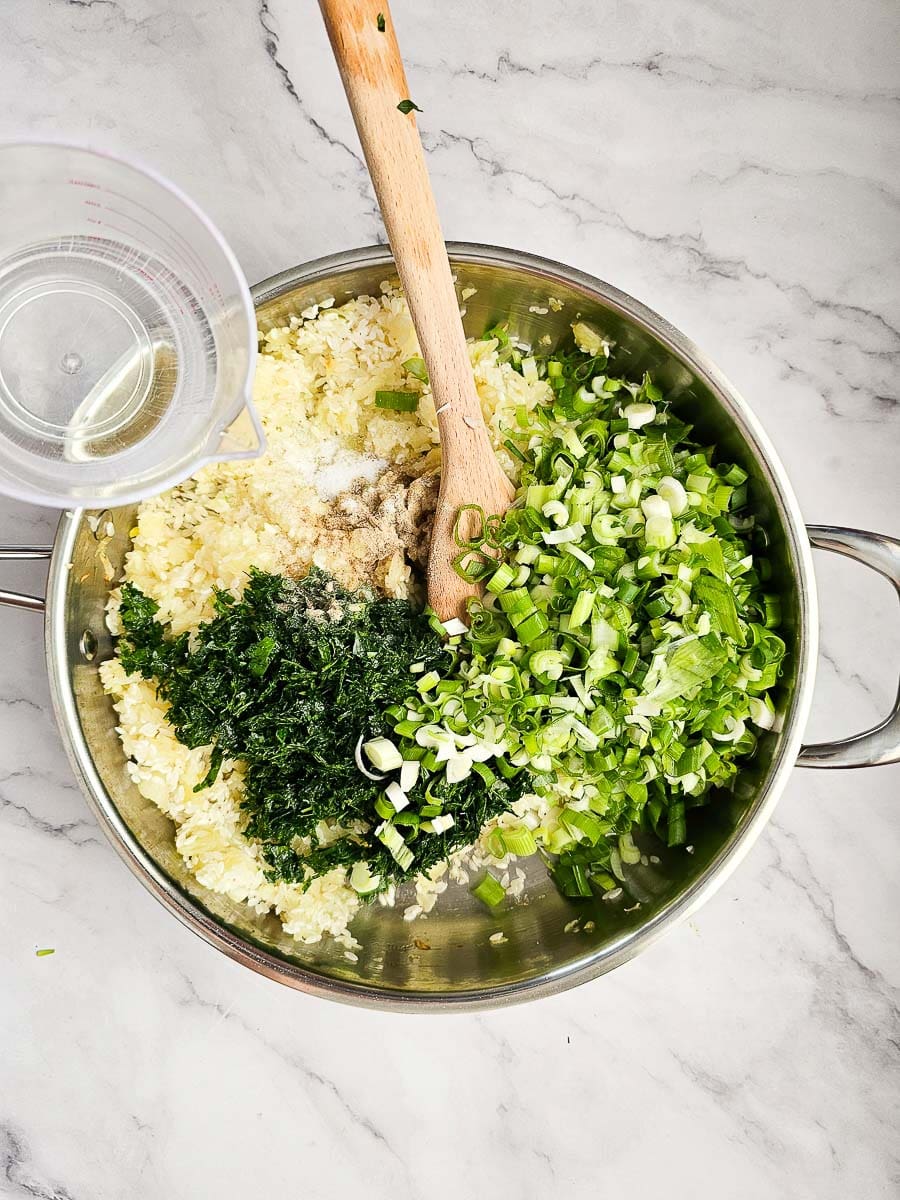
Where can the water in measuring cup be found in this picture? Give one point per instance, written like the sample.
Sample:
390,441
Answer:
99,344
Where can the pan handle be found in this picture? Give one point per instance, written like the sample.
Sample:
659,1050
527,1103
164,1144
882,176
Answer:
881,745
23,554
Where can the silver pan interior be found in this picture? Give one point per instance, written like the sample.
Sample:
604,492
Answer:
447,960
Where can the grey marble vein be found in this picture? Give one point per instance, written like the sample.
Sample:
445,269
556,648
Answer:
18,1171
669,67
360,174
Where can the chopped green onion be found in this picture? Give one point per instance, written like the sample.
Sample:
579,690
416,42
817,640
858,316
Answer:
514,450
416,367
519,841
397,401
569,533
463,519
443,822
398,798
583,557
628,851
582,609
383,754
718,599
490,891
502,578
638,415
384,808
392,838
532,627
619,662
428,682
362,880
584,823
677,827
409,773
455,627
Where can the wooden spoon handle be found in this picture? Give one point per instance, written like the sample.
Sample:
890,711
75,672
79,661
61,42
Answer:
375,82
362,37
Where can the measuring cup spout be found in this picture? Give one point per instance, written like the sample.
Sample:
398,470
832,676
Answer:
243,438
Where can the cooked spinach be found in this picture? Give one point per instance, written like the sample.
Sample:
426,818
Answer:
287,678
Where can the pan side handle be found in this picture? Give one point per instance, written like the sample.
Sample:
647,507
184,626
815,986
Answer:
880,745
23,554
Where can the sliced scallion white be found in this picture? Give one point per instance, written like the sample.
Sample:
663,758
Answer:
361,764
397,796
638,415
409,773
674,494
459,767
362,880
455,627
391,837
382,754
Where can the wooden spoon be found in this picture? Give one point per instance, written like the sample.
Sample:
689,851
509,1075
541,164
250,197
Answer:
364,44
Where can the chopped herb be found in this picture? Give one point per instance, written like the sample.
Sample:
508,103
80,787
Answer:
379,21
407,106
44,953
288,679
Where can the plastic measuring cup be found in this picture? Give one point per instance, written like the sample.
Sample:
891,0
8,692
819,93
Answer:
127,332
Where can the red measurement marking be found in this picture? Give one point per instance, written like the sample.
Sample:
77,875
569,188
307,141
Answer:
84,183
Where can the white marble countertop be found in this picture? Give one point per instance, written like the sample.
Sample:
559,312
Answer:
733,165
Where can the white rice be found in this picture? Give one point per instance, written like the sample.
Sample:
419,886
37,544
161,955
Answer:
314,390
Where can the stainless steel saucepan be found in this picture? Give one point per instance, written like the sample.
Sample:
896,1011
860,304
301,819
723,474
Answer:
448,962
